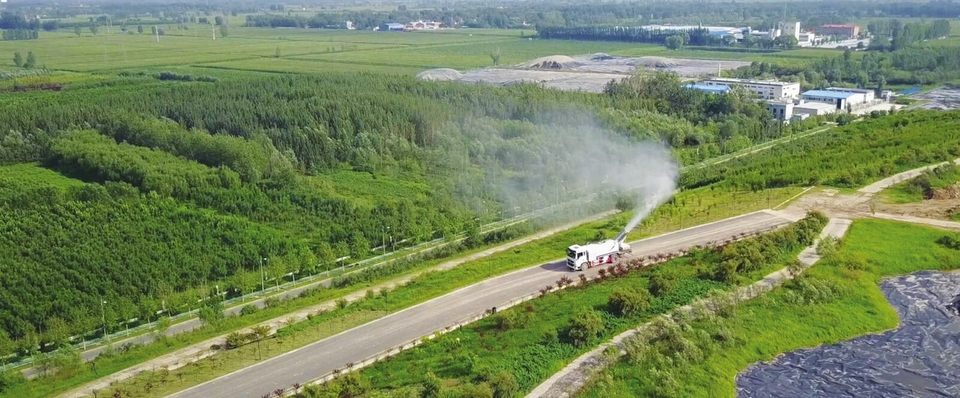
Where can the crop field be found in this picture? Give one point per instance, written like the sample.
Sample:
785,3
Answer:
317,50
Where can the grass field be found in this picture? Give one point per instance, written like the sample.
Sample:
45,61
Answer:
315,50
778,322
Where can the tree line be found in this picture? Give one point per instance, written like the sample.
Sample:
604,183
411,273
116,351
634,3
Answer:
853,156
20,34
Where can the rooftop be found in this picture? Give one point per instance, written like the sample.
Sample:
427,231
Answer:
747,81
708,88
814,105
828,94
839,26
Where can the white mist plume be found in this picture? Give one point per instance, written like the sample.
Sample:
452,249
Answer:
575,161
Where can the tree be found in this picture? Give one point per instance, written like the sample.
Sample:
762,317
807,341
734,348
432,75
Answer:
18,59
211,313
218,21
495,57
359,245
31,61
94,29
675,42
786,42
629,302
277,53
224,30
140,29
584,327
259,333
77,31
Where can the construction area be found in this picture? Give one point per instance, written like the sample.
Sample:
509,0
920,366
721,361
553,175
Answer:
919,358
588,73
944,98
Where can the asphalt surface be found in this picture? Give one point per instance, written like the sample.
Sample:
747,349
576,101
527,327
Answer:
321,358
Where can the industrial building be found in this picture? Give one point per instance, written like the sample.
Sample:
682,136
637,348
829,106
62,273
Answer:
709,88
841,98
391,27
804,110
763,89
842,30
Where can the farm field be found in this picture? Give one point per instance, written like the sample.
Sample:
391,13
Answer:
317,50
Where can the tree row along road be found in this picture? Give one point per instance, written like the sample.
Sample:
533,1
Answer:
323,357
194,323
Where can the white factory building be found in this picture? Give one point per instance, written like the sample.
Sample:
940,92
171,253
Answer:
841,98
765,90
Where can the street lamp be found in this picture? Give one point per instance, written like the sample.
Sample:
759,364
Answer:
263,287
103,317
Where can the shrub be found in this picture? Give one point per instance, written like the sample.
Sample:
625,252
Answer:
661,284
236,339
629,302
550,337
432,385
249,309
504,385
584,327
342,303
271,302
828,246
949,241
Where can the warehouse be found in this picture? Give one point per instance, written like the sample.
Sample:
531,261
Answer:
765,90
842,100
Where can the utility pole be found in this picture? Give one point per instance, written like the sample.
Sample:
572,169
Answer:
156,30
213,28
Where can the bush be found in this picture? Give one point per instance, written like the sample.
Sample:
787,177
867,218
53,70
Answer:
432,385
584,327
661,284
949,241
504,385
629,302
827,247
249,309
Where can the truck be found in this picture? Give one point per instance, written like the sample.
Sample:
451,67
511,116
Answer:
581,257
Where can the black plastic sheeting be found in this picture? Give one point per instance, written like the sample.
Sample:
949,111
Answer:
921,358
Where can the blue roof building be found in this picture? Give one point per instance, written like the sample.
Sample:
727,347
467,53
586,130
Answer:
708,88
840,97
391,26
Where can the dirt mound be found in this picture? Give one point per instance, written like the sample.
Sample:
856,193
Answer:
951,192
441,74
551,62
601,57
656,62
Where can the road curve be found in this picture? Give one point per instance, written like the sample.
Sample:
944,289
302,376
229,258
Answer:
321,358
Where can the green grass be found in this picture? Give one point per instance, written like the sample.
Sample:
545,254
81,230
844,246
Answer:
474,55
28,176
776,323
912,191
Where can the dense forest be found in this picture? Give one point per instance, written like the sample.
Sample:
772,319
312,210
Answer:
297,169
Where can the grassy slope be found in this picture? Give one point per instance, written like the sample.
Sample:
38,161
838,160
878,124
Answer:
769,326
902,192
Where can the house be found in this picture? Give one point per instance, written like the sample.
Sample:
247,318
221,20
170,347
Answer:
422,25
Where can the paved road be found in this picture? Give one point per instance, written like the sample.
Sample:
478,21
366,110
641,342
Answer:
318,359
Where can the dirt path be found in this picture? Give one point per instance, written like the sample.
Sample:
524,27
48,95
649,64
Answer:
201,350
